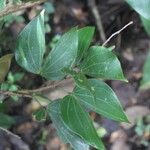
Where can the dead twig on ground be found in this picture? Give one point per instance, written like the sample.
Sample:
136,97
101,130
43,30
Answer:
96,14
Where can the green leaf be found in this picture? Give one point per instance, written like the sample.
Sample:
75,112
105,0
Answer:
63,55
18,76
145,82
2,4
104,102
66,135
85,37
6,121
146,24
30,45
40,114
4,86
13,87
79,121
141,6
10,78
102,63
5,62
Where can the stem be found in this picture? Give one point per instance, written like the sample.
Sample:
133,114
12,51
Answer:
116,33
29,93
15,93
45,88
15,8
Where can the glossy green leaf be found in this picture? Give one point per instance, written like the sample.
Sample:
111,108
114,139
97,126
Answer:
5,62
105,101
66,135
141,6
146,24
30,45
6,121
40,114
63,55
79,121
145,82
85,37
102,63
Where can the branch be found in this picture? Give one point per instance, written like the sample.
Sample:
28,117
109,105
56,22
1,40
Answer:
15,93
9,133
116,33
97,17
15,8
29,93
41,89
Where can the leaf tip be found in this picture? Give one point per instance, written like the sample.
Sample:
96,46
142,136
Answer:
126,120
42,12
125,80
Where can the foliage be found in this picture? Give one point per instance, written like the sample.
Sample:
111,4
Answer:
72,56
7,20
10,83
4,66
2,4
6,121
142,130
25,55
146,24
142,7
